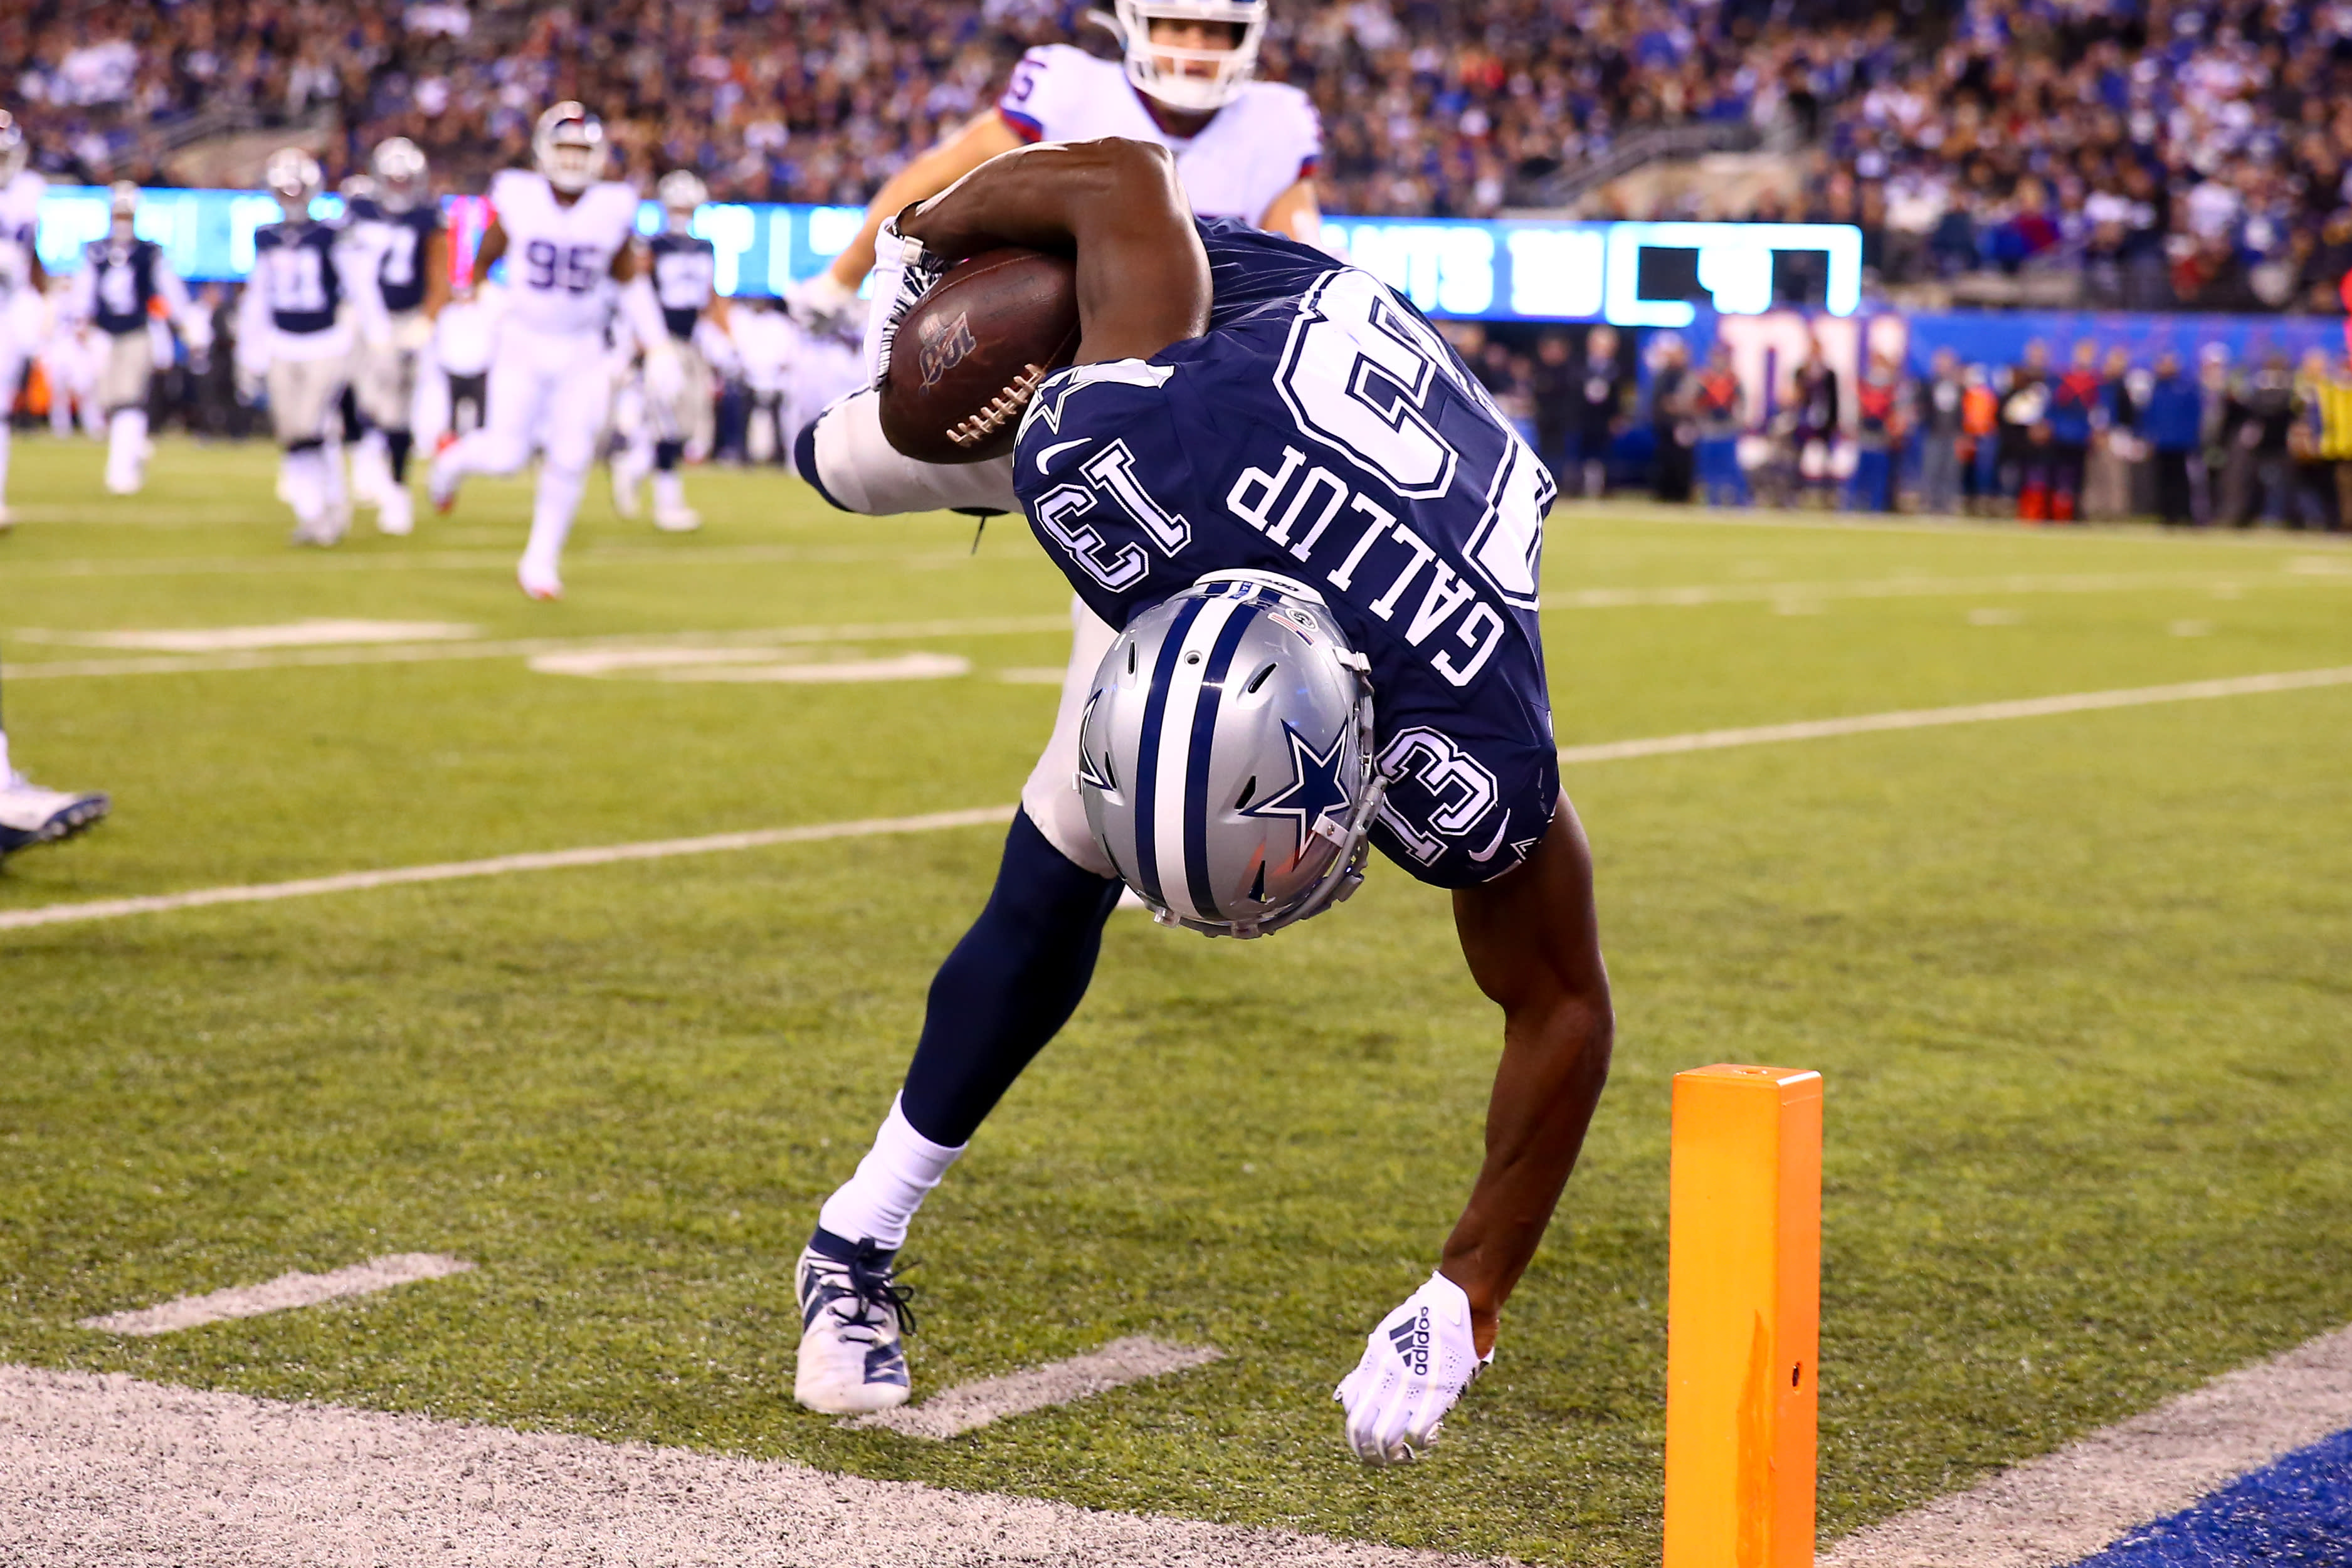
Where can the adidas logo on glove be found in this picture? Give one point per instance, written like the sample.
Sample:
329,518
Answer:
1412,1341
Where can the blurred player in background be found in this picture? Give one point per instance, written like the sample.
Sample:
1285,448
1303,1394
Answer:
293,340
395,295
122,279
1245,149
464,337
565,234
684,268
22,310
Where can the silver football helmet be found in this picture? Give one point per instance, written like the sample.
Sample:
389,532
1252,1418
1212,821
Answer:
14,148
1183,78
569,147
399,168
1225,757
680,192
294,178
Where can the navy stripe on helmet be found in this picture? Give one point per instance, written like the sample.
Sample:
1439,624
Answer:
1196,762
1147,761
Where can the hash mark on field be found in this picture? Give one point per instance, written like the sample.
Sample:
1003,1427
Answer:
287,1291
2063,1505
969,1406
1570,755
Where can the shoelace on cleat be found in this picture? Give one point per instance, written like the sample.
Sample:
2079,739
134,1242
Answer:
872,1285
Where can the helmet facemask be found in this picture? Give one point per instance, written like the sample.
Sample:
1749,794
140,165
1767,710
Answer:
122,211
680,192
294,178
399,167
1184,77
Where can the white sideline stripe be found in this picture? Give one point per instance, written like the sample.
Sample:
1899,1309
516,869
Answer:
97,1471
499,865
1967,712
308,633
969,1404
1606,751
476,560
290,1290
2065,1506
529,647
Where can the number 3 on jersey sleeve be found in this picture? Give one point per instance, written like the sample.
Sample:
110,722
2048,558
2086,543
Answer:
1363,375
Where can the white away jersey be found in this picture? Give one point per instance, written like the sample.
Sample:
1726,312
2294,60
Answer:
559,259
20,215
1257,147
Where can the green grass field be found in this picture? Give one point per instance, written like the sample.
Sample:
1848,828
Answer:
2077,984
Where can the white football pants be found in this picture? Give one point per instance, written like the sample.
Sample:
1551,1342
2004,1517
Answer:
551,391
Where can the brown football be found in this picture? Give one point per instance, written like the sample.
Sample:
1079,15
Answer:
969,353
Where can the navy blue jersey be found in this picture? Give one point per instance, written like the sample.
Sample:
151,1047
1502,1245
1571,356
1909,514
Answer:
1323,429
400,241
684,271
122,282
294,265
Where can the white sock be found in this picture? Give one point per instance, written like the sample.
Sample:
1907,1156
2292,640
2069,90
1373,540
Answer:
556,503
305,484
4,774
669,490
126,441
330,471
892,1180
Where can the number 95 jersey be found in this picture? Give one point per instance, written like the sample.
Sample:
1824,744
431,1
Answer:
1321,429
558,258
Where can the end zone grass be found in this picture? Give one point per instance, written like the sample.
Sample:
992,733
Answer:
2076,984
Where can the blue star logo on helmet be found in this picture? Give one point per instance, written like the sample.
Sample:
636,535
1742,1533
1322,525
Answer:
1090,772
1313,793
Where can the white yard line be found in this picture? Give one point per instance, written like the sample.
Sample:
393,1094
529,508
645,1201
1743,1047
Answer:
523,647
1951,525
287,1290
104,1471
1967,712
971,1404
499,865
1572,756
2065,1506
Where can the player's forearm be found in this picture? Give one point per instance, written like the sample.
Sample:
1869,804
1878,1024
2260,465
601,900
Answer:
927,176
487,255
1555,1062
1142,277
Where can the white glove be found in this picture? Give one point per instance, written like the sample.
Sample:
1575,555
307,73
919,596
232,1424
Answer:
664,377
1416,1365
822,303
903,273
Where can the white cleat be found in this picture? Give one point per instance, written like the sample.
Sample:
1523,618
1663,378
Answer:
324,532
395,513
441,483
853,1359
678,520
30,815
122,484
539,580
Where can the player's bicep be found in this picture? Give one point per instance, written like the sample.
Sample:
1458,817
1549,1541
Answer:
1532,936
490,251
1143,277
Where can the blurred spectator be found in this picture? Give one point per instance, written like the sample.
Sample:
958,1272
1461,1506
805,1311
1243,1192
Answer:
2257,477
1942,404
1601,392
1674,426
1814,408
1553,388
1981,433
2174,422
1880,418
2334,418
2074,403
2109,490
1720,407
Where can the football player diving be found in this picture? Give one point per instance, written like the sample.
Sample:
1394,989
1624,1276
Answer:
1319,542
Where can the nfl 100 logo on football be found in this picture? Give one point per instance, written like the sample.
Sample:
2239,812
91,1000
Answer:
944,346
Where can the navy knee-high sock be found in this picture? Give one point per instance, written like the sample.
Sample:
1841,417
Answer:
396,443
1009,986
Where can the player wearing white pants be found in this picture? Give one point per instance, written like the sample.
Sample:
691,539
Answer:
292,338
396,293
122,279
562,234
21,307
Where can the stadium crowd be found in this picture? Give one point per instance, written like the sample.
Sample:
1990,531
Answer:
2174,154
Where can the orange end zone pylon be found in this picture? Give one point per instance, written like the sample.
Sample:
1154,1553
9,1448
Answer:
1743,1317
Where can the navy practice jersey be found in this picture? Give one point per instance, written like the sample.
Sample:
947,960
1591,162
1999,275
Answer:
122,282
294,265
399,240
1323,429
684,268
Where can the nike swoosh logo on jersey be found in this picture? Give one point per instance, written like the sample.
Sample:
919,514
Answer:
1046,458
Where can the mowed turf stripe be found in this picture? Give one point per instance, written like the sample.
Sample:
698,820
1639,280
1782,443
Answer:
102,1471
500,865
2065,1506
972,1405
1606,751
283,1293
